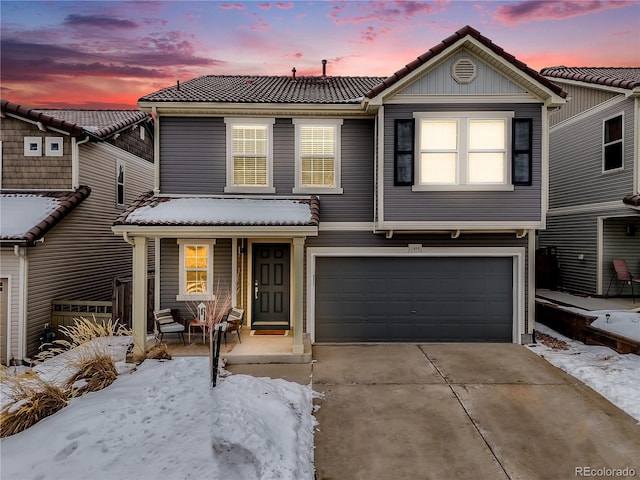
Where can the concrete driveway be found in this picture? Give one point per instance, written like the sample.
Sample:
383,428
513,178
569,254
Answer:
462,411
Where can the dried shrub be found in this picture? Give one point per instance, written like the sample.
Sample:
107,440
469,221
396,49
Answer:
94,372
159,352
27,400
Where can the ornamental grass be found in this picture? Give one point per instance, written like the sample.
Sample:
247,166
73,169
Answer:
27,399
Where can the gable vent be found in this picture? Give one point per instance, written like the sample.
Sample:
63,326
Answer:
463,71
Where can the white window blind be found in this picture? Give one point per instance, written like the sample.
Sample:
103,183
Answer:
250,150
317,155
196,267
487,151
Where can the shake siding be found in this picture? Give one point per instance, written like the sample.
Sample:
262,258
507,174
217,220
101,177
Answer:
20,172
575,170
579,100
11,269
170,273
402,204
81,256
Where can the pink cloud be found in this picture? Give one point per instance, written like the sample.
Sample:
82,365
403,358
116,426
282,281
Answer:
284,6
260,25
232,6
296,55
370,34
264,6
528,11
380,11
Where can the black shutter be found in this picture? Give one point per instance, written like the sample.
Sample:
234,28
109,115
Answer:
522,151
403,152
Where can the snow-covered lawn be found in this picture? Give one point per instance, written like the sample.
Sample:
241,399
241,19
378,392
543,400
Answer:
626,324
165,421
615,376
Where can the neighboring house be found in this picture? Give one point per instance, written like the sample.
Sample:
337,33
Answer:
65,177
354,209
594,177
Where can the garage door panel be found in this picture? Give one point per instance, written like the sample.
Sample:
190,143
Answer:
375,299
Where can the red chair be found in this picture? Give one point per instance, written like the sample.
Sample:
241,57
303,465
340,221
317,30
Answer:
622,274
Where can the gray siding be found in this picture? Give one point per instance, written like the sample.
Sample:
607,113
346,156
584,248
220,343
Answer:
170,276
193,162
579,100
440,82
575,152
80,257
574,235
402,204
617,244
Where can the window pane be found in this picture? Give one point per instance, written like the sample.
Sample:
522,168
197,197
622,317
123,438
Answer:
317,172
196,281
317,140
249,139
486,167
250,171
613,156
195,256
487,134
439,134
438,168
613,130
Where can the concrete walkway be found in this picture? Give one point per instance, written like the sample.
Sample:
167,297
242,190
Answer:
460,411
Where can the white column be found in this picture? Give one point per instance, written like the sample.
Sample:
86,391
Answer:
298,269
139,300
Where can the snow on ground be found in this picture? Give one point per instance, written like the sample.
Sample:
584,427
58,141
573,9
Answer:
626,324
165,421
615,376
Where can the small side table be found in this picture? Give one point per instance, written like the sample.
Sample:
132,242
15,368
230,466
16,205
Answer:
202,325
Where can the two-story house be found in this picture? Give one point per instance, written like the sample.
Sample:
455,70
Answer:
594,177
65,176
354,209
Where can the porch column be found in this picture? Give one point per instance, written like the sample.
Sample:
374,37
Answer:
298,289
139,300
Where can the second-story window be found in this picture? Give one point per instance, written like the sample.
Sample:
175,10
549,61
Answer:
120,178
249,155
317,156
463,151
612,144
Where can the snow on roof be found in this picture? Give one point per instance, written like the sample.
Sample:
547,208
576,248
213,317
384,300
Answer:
223,211
19,213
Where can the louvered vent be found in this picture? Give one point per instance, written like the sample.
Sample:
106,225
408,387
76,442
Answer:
463,71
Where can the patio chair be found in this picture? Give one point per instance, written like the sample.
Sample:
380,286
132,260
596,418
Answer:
622,274
234,323
166,323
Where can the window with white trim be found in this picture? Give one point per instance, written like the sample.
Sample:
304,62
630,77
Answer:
466,151
612,142
317,152
249,155
196,269
120,182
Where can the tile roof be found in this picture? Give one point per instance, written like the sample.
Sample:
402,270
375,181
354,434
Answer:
633,200
318,90
448,42
26,216
627,78
267,89
150,210
97,123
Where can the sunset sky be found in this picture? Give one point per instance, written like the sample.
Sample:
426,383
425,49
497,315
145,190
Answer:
107,54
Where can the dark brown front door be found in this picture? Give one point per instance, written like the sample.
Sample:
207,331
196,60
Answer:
271,286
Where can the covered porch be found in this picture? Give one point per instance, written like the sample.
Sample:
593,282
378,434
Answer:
254,247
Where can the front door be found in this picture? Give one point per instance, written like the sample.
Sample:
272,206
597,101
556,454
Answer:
271,278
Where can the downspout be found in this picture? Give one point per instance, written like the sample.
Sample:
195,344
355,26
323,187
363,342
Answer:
156,150
125,237
75,163
21,253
